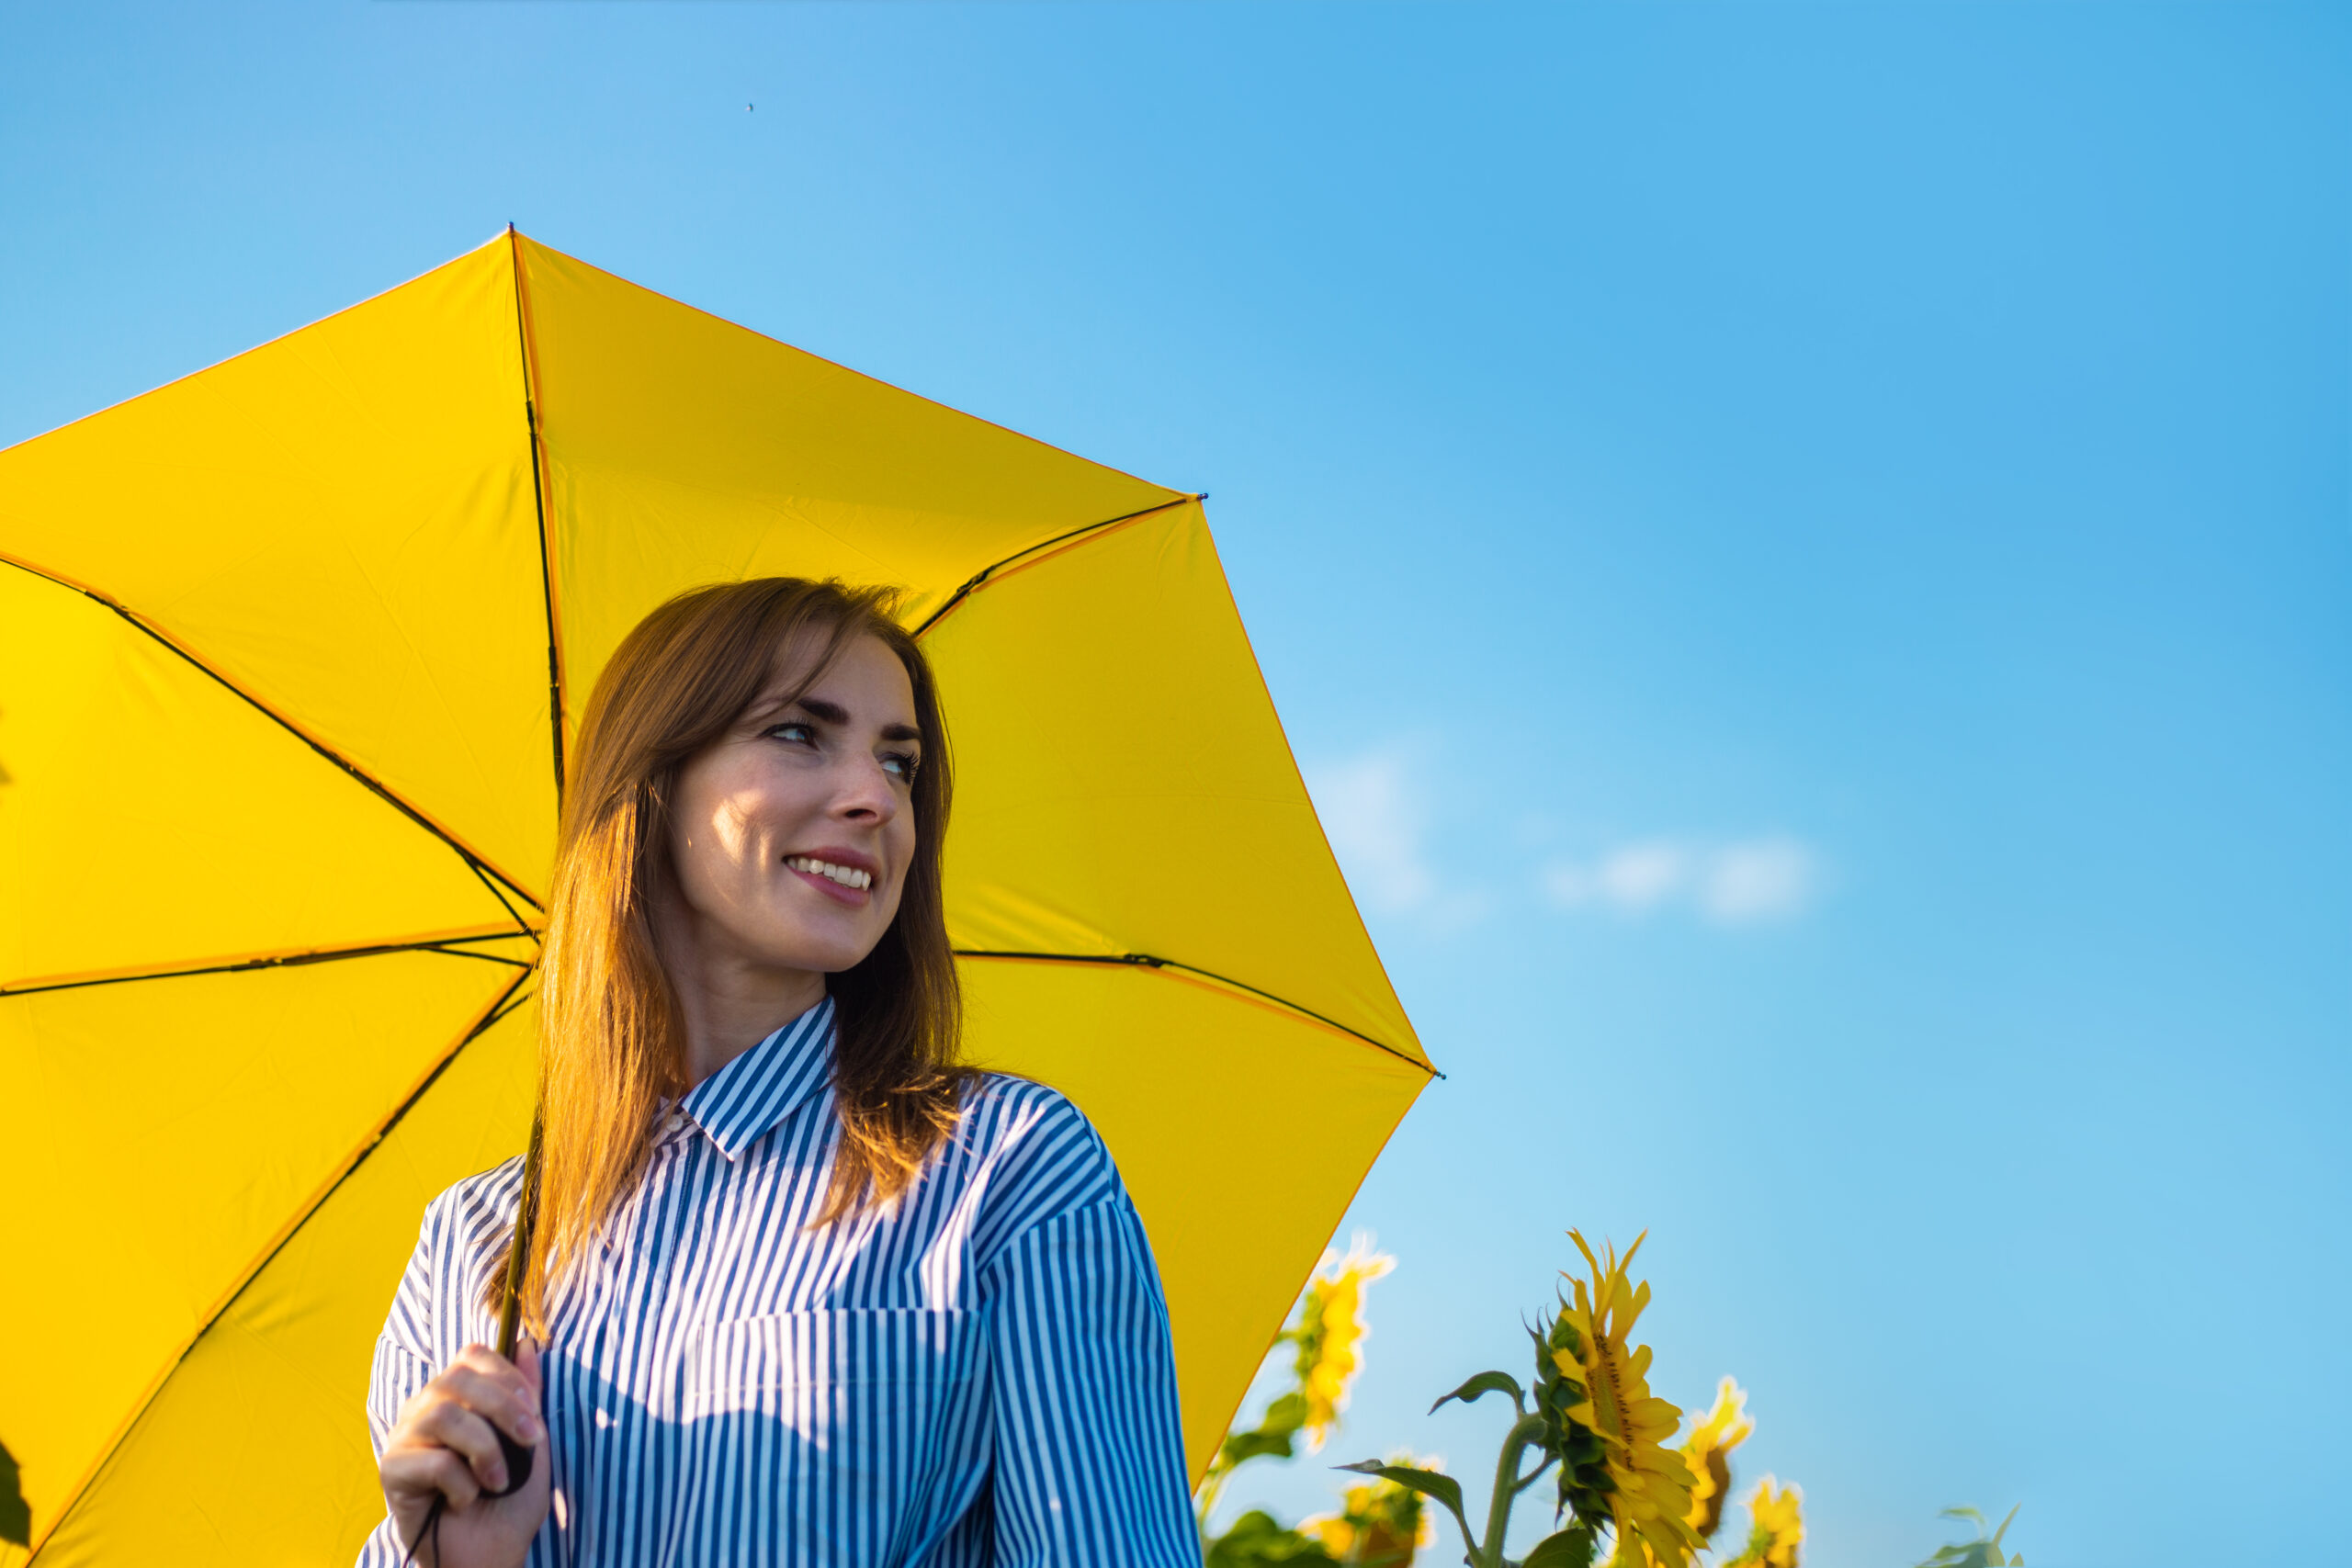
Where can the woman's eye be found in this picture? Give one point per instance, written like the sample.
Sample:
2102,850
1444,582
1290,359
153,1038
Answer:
900,764
793,729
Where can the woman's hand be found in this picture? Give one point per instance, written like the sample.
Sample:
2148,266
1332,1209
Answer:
446,1446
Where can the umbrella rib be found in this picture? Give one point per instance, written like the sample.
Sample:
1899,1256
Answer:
1152,961
505,1003
449,946
365,780
980,578
539,503
491,882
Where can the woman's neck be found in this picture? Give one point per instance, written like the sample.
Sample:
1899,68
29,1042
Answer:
729,1002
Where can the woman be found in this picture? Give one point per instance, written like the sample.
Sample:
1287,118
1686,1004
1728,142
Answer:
801,1290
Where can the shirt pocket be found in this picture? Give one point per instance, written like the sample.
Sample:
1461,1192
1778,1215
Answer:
841,1436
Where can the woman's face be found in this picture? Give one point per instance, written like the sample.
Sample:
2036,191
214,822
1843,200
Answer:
792,834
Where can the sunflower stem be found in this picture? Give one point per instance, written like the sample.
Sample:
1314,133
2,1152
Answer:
1523,1431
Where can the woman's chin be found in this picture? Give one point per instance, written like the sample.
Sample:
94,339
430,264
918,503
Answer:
828,955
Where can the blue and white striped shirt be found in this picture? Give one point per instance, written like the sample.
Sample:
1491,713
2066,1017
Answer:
978,1375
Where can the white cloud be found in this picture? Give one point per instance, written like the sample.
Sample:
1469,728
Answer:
1761,879
1742,883
1640,875
1375,811
1374,819
1380,810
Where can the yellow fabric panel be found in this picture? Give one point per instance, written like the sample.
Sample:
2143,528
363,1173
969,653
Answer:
342,523
256,1454
1123,784
683,449
160,1137
151,819
1241,1132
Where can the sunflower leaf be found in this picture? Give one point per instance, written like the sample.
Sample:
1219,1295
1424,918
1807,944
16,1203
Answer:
1286,1413
1429,1482
1486,1383
1257,1540
1242,1447
1571,1548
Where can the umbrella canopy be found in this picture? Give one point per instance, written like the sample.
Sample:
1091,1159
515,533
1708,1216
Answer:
290,652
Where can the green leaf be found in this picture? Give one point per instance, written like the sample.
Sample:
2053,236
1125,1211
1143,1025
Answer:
1271,1439
1984,1551
1286,1414
1244,1446
1486,1383
1257,1540
1429,1482
1572,1548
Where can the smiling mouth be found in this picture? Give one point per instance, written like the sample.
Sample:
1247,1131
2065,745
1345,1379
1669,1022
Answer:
848,877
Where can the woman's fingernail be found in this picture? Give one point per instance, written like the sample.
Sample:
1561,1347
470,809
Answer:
527,1430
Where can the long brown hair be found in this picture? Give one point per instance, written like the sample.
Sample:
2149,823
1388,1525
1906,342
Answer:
612,1040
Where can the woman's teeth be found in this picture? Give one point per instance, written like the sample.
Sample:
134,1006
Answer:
845,875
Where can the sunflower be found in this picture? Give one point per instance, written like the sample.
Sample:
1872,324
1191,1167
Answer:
1568,1438
1650,1487
1779,1526
1330,1335
1707,1451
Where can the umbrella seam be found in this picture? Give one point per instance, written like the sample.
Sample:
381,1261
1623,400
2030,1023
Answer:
295,959
1151,960
485,878
358,774
981,577
539,503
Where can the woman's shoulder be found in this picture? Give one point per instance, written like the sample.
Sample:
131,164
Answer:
483,1201
1004,1108
1038,1148
469,1220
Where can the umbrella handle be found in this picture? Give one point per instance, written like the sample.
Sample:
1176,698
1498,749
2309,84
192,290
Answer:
510,1307
518,1467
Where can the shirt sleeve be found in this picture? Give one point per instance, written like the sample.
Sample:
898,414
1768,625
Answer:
1089,1441
398,1374
403,1364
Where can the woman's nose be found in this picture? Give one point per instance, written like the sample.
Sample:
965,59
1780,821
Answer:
867,794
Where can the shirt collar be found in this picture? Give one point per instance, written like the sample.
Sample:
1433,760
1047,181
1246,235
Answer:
741,1101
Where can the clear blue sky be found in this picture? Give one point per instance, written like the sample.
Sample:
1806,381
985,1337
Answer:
1804,547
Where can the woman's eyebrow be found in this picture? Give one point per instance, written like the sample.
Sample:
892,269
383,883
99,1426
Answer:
829,712
834,714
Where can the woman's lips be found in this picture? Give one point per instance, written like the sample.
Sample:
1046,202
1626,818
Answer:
834,875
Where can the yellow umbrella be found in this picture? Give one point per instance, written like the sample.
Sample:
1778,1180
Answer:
290,654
